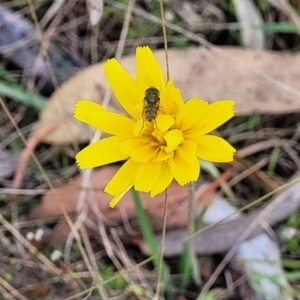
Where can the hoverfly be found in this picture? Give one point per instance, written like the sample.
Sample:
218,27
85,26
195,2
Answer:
151,105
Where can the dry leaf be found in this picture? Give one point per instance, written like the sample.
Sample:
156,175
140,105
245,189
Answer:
221,237
257,80
86,84
261,81
67,197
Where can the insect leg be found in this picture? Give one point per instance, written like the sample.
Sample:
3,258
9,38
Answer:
143,112
142,128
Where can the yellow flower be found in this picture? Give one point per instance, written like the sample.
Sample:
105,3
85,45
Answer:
156,152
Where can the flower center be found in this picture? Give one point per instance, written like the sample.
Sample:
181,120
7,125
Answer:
159,136
166,142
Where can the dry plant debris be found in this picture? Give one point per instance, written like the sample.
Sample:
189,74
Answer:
264,83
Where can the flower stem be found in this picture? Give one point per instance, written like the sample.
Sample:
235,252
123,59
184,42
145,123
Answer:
163,24
193,257
162,270
162,249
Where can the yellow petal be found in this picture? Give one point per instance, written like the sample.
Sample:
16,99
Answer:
173,138
100,153
214,149
148,72
187,150
97,116
139,127
144,154
191,113
216,114
131,145
182,171
164,122
142,127
172,102
140,150
123,179
115,200
147,176
123,86
164,180
162,155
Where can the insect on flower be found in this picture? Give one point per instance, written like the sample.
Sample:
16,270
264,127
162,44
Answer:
151,105
174,134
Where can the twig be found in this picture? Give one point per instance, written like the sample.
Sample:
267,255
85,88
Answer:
51,267
11,289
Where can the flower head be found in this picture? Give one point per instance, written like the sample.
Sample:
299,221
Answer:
163,138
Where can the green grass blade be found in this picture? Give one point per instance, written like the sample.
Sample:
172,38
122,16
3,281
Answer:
149,236
282,27
21,95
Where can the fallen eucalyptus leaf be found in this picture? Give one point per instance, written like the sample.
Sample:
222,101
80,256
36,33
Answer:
259,81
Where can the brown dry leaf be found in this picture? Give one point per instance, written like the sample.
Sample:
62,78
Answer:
257,80
67,197
88,84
